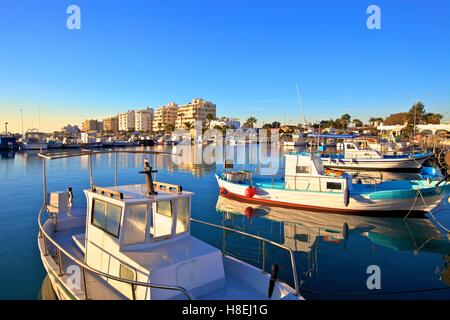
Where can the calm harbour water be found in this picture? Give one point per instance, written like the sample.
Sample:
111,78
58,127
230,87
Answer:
413,254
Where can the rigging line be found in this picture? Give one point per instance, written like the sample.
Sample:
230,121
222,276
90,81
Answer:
432,215
374,293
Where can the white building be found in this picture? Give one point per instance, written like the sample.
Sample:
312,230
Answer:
71,130
197,110
226,122
127,120
144,120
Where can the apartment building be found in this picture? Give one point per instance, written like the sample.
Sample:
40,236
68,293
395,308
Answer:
127,120
165,115
144,120
92,125
197,110
111,124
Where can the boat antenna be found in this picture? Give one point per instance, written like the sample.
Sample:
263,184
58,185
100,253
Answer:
300,106
149,178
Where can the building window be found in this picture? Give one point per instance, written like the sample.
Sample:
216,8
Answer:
107,217
334,185
302,169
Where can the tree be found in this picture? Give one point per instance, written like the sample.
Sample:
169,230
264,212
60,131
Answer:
188,125
433,118
373,121
358,123
345,120
209,118
416,115
251,122
267,126
169,127
276,124
396,118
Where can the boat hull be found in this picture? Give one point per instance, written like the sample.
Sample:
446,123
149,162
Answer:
359,204
33,146
385,164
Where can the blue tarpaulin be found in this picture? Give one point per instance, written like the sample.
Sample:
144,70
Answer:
332,136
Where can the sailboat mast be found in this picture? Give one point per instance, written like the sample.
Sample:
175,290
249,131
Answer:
300,106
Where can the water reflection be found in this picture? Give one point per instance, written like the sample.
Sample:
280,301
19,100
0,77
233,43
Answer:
334,250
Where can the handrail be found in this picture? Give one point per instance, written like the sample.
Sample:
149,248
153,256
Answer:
101,273
86,152
291,253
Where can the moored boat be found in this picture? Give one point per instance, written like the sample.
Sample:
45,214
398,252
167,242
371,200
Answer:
33,140
306,185
355,157
134,242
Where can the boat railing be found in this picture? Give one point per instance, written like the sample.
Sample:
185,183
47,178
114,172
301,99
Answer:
60,252
264,242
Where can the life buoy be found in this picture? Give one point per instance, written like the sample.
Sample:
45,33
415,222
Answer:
250,192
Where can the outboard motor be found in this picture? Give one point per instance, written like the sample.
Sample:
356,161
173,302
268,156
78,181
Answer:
273,279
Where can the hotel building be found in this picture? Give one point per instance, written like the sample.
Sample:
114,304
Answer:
92,125
127,120
144,120
165,115
111,124
196,110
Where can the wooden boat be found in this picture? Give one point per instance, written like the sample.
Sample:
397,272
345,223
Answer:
305,185
135,242
355,157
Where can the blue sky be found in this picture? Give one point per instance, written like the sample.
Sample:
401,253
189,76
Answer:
246,56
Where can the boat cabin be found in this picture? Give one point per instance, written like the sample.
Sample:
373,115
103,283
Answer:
358,150
146,238
306,172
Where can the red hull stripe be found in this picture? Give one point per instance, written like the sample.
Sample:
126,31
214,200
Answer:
272,203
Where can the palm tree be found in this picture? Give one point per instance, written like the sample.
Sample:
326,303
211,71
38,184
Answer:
251,121
181,115
188,125
209,118
169,127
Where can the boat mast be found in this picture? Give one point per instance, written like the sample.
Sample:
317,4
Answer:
300,106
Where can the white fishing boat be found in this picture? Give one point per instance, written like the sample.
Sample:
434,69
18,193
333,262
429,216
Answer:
297,140
354,156
33,140
306,184
135,242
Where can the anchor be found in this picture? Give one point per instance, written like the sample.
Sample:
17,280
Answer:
149,178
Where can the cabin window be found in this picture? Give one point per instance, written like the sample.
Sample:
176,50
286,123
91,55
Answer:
350,146
135,224
302,169
182,215
126,273
106,216
161,221
334,185
164,208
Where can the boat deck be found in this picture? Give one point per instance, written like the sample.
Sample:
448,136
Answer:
235,289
